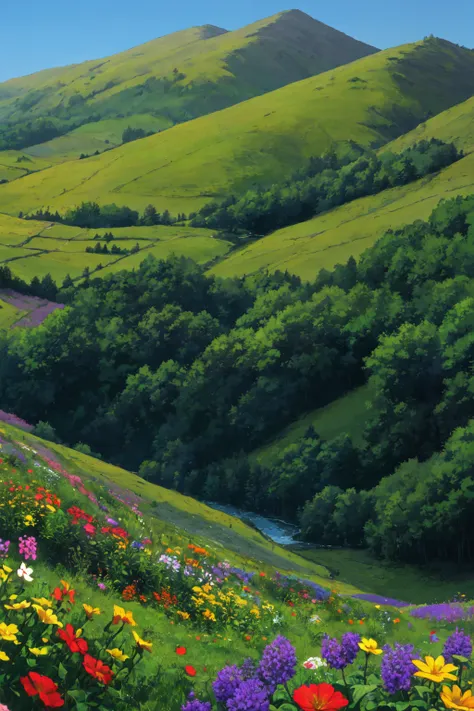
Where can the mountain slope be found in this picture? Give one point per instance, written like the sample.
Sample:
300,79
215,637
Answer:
333,237
370,101
455,124
182,75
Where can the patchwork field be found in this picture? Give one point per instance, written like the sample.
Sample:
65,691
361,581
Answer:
372,100
32,248
333,237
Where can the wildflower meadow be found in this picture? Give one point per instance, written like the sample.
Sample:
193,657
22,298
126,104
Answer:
104,607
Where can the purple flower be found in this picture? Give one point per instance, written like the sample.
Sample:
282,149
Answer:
457,644
250,696
112,522
397,668
247,669
350,645
101,586
4,546
444,612
193,704
278,663
227,682
340,654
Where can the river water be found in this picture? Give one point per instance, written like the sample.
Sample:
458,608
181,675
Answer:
282,533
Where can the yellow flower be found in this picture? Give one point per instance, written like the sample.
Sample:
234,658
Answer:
91,611
377,607
8,632
117,654
7,569
47,616
121,616
13,597
183,615
50,508
29,520
434,669
4,657
141,643
369,646
24,605
455,699
39,651
42,601
209,615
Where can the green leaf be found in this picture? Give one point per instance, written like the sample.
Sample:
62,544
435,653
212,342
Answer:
286,707
361,690
421,689
78,694
402,705
62,672
460,659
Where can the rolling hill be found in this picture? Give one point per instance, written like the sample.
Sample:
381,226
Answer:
332,237
455,124
172,79
370,101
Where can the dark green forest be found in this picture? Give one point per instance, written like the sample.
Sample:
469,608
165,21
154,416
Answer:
179,375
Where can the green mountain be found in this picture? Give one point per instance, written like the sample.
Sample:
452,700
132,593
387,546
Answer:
370,101
168,80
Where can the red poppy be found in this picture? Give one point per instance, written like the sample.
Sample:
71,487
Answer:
181,651
262,575
97,669
320,697
75,644
60,594
190,671
35,684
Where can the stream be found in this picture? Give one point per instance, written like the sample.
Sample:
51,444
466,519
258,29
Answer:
282,533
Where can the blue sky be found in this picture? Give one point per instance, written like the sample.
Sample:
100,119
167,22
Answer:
37,34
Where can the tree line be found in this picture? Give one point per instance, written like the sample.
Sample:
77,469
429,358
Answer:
324,183
94,216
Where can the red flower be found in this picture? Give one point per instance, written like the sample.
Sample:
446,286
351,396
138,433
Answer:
66,591
75,644
35,684
322,697
181,651
89,528
262,575
97,669
190,671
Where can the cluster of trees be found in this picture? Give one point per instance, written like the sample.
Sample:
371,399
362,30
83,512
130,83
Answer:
133,134
104,249
44,288
22,134
326,182
180,376
94,216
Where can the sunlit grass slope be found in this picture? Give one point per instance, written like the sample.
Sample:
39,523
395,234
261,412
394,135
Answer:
455,124
173,511
346,415
370,101
185,74
333,237
33,248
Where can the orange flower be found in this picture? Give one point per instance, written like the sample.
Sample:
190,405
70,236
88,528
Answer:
351,622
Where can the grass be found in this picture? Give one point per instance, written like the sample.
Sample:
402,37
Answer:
259,140
8,314
33,248
333,237
454,125
348,415
402,582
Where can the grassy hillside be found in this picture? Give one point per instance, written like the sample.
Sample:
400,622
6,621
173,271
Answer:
348,415
32,248
370,101
182,75
454,125
332,237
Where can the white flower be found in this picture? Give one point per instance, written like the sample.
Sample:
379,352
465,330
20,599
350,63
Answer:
278,619
315,619
25,573
314,663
